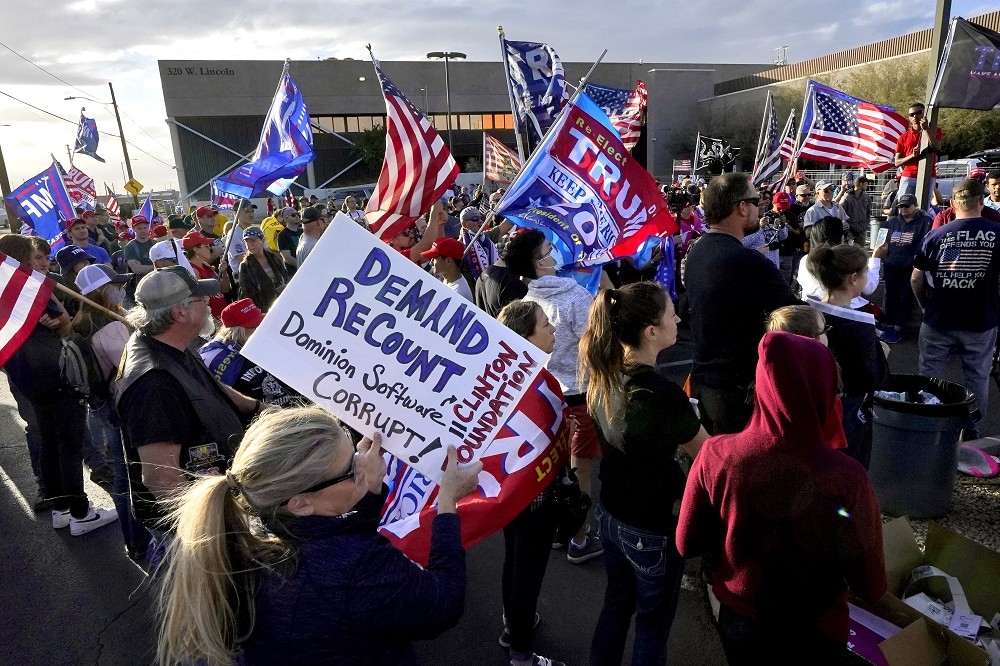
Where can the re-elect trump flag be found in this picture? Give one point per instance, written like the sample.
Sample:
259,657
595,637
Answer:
969,74
537,84
44,206
80,187
284,150
582,189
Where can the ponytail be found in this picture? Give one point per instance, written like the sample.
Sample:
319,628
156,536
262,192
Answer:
833,265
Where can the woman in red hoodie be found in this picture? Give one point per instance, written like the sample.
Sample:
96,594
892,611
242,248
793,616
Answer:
791,523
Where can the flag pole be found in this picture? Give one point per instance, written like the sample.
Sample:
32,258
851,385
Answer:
510,92
583,81
794,162
697,153
932,102
484,161
760,139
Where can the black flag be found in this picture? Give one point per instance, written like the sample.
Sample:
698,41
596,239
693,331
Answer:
969,74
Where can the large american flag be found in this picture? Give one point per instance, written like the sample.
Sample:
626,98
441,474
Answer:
844,130
500,163
23,296
624,108
418,167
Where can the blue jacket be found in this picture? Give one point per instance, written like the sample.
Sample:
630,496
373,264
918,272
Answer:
905,239
355,599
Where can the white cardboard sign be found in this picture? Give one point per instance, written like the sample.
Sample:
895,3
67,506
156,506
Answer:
364,332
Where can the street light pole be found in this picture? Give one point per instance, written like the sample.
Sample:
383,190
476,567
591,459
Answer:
447,55
5,188
121,134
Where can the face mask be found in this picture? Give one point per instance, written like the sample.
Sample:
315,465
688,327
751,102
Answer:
116,295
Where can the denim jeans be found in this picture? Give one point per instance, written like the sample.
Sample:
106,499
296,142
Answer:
644,579
527,547
975,348
93,438
105,427
908,185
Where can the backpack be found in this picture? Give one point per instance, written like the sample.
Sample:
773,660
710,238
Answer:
79,369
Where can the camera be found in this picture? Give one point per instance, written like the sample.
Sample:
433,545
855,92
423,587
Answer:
679,198
773,219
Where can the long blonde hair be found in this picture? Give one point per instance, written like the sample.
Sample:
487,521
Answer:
213,565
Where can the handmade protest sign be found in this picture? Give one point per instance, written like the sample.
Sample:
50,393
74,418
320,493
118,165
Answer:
382,344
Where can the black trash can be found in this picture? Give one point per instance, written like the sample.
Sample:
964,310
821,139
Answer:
914,458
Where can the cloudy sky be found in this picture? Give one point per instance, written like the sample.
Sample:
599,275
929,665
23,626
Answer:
87,43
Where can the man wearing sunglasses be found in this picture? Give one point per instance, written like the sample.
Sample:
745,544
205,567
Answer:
731,291
908,150
906,234
288,238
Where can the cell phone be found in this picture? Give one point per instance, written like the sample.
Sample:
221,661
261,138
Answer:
883,233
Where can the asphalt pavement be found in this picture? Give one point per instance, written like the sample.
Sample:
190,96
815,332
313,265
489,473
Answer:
80,600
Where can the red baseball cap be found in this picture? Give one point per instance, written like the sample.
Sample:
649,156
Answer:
193,239
242,313
75,221
782,201
445,247
205,211
158,231
138,219
86,214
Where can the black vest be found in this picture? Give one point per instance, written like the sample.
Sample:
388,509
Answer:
219,420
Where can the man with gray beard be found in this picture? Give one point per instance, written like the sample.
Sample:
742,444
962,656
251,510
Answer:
177,419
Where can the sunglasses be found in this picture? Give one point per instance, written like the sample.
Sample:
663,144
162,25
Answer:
334,481
754,200
917,114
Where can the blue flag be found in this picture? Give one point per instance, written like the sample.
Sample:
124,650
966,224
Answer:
146,210
43,206
284,150
586,193
87,138
538,85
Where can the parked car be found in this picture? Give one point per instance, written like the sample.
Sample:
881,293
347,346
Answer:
949,172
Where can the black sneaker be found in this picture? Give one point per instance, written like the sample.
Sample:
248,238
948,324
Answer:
505,636
103,476
590,549
41,503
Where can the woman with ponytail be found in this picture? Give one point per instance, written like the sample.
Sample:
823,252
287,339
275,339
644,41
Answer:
279,560
843,272
641,419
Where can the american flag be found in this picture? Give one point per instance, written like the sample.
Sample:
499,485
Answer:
965,259
787,147
772,161
111,203
500,163
844,130
418,167
767,160
23,296
624,108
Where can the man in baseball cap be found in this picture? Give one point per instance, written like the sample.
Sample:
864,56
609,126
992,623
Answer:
445,256
825,206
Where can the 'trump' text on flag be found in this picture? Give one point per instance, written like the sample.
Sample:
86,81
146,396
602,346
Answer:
969,74
44,206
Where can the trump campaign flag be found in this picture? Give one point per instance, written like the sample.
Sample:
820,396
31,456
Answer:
284,150
584,191
848,131
80,186
23,296
417,170
44,206
969,74
87,138
537,85
624,108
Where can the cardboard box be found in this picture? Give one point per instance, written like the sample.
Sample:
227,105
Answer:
922,641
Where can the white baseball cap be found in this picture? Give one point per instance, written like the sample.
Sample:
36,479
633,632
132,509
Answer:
95,276
163,250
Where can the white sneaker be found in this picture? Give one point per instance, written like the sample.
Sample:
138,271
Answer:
60,519
95,518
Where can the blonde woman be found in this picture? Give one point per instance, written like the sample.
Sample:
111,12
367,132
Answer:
279,560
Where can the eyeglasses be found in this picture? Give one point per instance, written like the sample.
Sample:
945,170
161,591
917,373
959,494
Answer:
804,194
334,481
916,114
826,329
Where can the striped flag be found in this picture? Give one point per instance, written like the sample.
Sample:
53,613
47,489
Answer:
624,108
80,187
417,170
787,147
848,131
23,296
766,161
111,203
500,163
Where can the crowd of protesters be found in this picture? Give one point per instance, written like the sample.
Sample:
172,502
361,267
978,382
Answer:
256,512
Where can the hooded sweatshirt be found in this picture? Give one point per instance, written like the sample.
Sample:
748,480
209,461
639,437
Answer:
567,305
792,522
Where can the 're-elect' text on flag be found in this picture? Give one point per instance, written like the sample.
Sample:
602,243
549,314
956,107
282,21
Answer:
625,108
417,170
844,130
24,294
285,148
43,206
537,84
586,193
87,137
